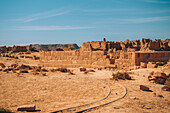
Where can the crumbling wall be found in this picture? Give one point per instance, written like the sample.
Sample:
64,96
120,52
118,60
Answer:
19,49
73,58
161,56
109,54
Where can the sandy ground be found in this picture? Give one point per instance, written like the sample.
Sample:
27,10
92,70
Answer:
60,90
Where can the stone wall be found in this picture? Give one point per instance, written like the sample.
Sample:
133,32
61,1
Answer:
144,45
73,58
119,59
161,56
109,54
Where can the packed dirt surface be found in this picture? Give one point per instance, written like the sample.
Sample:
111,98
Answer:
59,90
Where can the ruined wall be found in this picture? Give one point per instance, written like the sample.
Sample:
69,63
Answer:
144,45
119,59
73,58
126,60
161,56
109,54
19,49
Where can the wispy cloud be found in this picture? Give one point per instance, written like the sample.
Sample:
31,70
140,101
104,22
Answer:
132,20
104,10
38,16
47,28
158,1
145,20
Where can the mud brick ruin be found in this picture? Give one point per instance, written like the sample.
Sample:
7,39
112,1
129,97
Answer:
95,54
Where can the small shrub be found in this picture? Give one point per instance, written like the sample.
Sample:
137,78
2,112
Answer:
71,73
91,70
131,72
121,75
44,70
53,70
151,73
64,70
85,72
3,110
43,74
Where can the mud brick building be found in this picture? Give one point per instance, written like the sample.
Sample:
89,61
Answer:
109,54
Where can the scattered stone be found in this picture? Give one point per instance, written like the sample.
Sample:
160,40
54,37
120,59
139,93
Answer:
147,107
71,73
64,70
144,88
158,77
133,98
23,70
143,65
166,88
161,96
151,65
2,65
44,70
116,107
26,108
82,69
43,74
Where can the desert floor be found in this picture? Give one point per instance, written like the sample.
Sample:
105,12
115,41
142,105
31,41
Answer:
59,90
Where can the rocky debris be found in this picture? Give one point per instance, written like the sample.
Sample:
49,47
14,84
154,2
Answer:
2,65
144,88
152,65
158,77
44,70
133,98
37,69
143,65
35,57
6,70
26,108
82,69
166,88
21,70
25,67
53,70
99,68
14,65
116,107
64,70
71,73
43,74
161,96
167,85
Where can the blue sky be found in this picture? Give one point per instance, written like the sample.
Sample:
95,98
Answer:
78,21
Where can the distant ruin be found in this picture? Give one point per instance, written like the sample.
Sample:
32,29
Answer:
110,54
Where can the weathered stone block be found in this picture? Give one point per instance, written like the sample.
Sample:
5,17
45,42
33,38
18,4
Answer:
26,108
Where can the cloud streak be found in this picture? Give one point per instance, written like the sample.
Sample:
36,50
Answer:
49,28
43,15
158,1
132,20
146,20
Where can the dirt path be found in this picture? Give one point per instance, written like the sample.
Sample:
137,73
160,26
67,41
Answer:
144,102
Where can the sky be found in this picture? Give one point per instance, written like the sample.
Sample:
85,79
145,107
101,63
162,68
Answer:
24,22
